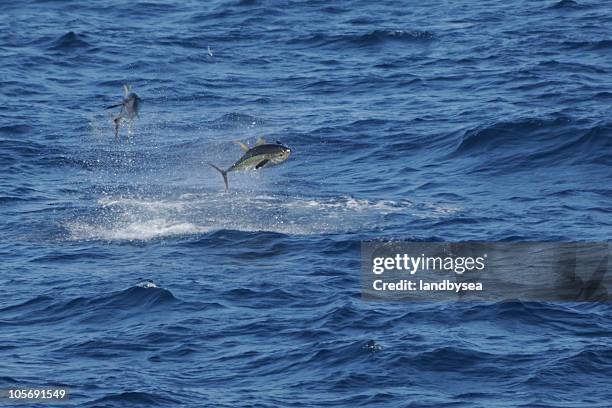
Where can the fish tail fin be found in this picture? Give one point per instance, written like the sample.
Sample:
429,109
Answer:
223,173
117,122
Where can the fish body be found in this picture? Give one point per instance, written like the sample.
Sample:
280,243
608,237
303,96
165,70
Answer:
264,155
261,155
130,108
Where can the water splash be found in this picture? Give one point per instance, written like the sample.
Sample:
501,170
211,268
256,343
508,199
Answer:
150,217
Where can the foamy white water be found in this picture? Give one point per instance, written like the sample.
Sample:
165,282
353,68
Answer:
145,218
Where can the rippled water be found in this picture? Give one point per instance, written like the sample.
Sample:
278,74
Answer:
130,276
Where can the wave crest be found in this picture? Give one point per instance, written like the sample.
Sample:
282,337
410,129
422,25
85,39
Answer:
69,41
535,142
371,38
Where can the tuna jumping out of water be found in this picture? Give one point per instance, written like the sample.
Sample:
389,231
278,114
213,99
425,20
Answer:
129,108
259,156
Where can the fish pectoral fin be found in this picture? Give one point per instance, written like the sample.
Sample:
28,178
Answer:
261,164
242,145
260,141
114,106
126,89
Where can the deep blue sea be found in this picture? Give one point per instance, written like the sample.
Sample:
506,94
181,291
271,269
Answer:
130,276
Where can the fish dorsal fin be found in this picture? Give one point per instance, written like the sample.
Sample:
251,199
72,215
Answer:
242,145
260,141
126,89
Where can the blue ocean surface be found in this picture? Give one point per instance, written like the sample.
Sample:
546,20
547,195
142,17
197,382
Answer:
130,276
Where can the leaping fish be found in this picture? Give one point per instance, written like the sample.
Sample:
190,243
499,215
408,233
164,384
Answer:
130,105
261,155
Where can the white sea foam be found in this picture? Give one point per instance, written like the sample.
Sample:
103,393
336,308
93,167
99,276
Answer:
147,285
150,204
145,218
139,230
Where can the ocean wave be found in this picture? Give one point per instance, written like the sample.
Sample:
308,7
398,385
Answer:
566,5
133,398
590,45
260,298
34,302
5,380
535,142
69,41
23,148
135,298
12,199
533,316
456,359
335,353
572,67
20,129
234,120
47,309
573,365
372,38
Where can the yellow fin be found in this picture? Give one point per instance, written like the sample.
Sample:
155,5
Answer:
260,141
242,145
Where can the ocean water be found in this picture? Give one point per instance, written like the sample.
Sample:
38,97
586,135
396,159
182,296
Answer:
130,276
